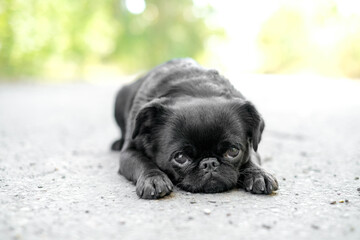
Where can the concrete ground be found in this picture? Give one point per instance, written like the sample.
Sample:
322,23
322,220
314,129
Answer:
58,179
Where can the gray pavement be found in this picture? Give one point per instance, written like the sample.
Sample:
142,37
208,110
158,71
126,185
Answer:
58,179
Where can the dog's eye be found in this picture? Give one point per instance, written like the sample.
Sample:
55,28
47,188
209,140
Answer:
232,152
180,158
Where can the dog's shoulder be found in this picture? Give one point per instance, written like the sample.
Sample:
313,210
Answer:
165,75
182,77
184,62
187,77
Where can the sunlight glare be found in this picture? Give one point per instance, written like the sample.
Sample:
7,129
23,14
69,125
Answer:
135,6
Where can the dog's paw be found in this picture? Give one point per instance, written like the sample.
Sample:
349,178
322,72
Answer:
153,185
260,182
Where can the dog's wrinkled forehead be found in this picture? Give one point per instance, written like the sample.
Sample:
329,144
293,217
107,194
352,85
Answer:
204,124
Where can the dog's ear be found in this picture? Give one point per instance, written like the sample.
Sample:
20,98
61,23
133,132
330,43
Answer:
149,117
253,121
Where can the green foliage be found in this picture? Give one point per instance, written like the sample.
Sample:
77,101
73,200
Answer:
325,40
38,34
349,59
283,40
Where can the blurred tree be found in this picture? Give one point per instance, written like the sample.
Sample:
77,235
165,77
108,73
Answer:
283,41
36,35
323,37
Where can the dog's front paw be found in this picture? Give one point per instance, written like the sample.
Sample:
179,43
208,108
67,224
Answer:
153,185
260,181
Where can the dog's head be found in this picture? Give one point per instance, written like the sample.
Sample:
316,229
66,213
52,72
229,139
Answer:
200,143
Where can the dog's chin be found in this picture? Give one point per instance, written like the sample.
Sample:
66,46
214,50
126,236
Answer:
209,183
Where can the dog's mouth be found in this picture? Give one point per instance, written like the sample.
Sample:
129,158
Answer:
213,183
209,183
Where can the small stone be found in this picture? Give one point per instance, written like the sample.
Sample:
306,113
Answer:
207,211
63,177
87,211
192,202
284,179
347,201
212,201
228,214
358,189
356,178
333,202
266,226
40,186
315,226
190,218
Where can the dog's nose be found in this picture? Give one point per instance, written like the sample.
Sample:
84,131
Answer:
209,164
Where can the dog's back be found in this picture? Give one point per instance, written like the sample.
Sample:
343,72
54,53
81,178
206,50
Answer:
175,78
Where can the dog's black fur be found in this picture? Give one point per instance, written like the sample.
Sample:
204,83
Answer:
187,125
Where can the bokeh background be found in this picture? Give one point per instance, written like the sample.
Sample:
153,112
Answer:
83,40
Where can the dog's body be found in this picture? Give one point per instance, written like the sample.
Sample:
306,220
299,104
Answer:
188,124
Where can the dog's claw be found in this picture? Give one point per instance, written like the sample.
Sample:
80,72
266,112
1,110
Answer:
249,184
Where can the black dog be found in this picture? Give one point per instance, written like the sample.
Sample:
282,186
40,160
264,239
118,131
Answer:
188,124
